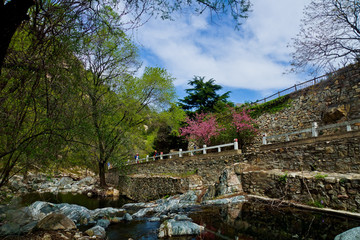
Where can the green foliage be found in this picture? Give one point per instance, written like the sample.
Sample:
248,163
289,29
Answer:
283,178
203,97
272,106
316,203
320,176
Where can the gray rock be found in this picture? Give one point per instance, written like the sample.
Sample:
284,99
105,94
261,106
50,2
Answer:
107,212
172,227
75,212
104,223
351,234
9,229
65,181
128,217
142,213
96,231
56,221
154,219
28,227
40,209
87,181
182,218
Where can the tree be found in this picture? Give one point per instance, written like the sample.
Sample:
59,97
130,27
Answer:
329,36
201,129
203,97
37,103
14,12
237,124
117,103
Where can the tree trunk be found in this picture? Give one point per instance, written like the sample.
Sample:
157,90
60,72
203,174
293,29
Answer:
11,16
102,173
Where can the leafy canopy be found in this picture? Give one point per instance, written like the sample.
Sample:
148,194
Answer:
203,97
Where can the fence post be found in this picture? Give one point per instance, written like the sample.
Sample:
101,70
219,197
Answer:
314,129
170,156
161,155
348,127
264,139
219,149
236,144
204,149
180,152
295,87
147,158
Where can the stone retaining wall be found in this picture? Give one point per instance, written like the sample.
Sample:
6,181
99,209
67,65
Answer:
327,190
336,153
330,101
146,188
208,166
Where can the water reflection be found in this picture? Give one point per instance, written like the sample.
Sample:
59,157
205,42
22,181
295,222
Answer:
252,220
78,199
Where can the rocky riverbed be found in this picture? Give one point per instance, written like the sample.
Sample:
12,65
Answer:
45,216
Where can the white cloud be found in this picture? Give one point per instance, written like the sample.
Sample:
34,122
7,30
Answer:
252,58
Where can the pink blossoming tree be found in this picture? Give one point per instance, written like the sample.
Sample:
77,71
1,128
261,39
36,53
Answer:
201,129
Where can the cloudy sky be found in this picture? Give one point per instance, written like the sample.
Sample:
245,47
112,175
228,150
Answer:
249,62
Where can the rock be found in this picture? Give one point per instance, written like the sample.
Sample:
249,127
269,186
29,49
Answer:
65,181
9,229
182,218
75,212
116,219
228,183
40,209
141,213
28,227
172,227
104,223
56,221
236,199
96,231
154,219
128,217
351,234
107,212
332,115
87,181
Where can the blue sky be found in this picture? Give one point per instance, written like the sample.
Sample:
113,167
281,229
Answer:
249,62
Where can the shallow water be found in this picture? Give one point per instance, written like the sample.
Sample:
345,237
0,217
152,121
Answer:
78,199
245,221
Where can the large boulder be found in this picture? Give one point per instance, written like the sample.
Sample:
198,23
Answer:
351,234
56,221
229,183
40,209
333,114
172,227
76,213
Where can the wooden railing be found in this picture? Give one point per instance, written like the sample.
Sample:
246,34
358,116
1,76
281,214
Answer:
181,153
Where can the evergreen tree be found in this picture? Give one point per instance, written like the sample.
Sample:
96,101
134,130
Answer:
203,97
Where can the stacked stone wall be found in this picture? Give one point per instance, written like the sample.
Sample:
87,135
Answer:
314,188
334,100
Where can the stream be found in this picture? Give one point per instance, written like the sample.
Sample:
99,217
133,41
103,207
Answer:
249,220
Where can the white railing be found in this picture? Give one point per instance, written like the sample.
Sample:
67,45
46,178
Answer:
181,153
314,130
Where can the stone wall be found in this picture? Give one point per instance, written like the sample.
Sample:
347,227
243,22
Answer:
330,101
314,188
208,166
335,153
